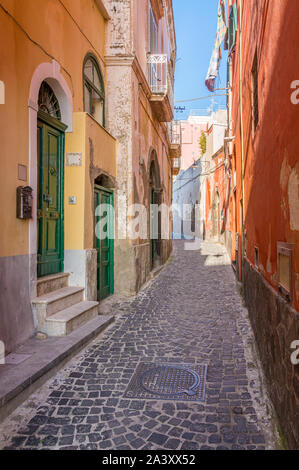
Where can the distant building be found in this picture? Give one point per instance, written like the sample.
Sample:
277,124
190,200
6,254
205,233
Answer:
202,182
192,129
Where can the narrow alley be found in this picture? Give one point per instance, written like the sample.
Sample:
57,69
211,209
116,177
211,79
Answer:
149,242
190,314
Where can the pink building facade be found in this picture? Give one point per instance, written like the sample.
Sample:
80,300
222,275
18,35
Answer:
191,130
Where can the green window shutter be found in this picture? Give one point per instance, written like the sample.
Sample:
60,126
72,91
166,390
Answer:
232,28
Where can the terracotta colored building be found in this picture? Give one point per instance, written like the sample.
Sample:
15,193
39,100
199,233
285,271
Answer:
204,182
140,58
215,186
264,168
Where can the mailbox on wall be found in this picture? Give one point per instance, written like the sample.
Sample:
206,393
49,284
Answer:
24,202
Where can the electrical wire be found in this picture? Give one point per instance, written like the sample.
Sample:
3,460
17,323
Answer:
37,44
197,176
201,98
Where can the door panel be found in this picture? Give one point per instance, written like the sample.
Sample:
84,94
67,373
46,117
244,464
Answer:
50,200
104,247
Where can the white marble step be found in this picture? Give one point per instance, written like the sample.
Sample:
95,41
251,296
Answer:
51,283
70,319
53,302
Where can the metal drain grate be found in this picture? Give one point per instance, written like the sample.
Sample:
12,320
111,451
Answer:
168,382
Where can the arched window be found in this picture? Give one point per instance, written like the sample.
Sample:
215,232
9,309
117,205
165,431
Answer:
94,93
47,101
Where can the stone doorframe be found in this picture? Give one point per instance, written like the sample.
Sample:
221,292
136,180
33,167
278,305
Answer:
154,183
49,72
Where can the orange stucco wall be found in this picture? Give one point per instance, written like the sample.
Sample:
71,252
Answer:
65,34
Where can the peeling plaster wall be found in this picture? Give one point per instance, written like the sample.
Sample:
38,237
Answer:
119,124
129,118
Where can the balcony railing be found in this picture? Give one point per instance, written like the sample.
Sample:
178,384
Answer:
158,73
161,84
176,165
175,137
174,132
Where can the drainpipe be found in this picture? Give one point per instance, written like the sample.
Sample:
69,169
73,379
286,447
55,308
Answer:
242,137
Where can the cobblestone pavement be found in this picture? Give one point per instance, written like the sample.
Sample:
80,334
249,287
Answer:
191,313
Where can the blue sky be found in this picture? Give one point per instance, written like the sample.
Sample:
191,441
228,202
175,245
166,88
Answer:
196,24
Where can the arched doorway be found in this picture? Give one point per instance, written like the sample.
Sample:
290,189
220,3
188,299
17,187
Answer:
155,198
50,183
50,73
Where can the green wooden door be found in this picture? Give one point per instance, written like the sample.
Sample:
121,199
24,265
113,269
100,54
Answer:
104,244
50,142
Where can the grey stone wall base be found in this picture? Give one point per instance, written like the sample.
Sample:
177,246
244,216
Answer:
82,266
16,316
124,268
276,326
132,267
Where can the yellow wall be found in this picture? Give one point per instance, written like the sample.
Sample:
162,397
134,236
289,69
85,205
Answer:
79,218
54,34
75,186
101,158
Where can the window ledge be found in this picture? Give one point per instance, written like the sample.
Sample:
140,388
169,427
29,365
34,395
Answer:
99,124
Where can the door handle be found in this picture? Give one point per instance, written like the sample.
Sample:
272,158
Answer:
47,198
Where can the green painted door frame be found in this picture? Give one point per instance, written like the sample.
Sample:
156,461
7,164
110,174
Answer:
104,246
50,194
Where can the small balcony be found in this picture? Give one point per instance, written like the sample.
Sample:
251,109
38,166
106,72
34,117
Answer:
161,85
176,166
175,137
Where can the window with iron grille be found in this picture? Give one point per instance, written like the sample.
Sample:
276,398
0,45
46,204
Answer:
255,104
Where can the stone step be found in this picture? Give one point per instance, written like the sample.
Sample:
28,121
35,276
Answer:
53,302
48,284
70,319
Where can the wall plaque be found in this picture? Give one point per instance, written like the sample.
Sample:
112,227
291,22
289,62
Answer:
74,159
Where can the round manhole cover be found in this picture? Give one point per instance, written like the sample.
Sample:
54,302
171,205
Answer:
170,380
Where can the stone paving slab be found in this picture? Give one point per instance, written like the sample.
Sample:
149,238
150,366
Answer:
42,356
192,314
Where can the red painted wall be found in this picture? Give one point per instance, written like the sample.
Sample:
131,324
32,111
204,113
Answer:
270,154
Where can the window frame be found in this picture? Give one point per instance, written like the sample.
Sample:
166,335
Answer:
91,86
152,21
286,249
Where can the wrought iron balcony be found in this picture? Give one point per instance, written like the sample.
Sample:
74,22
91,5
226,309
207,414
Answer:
175,137
161,85
176,166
